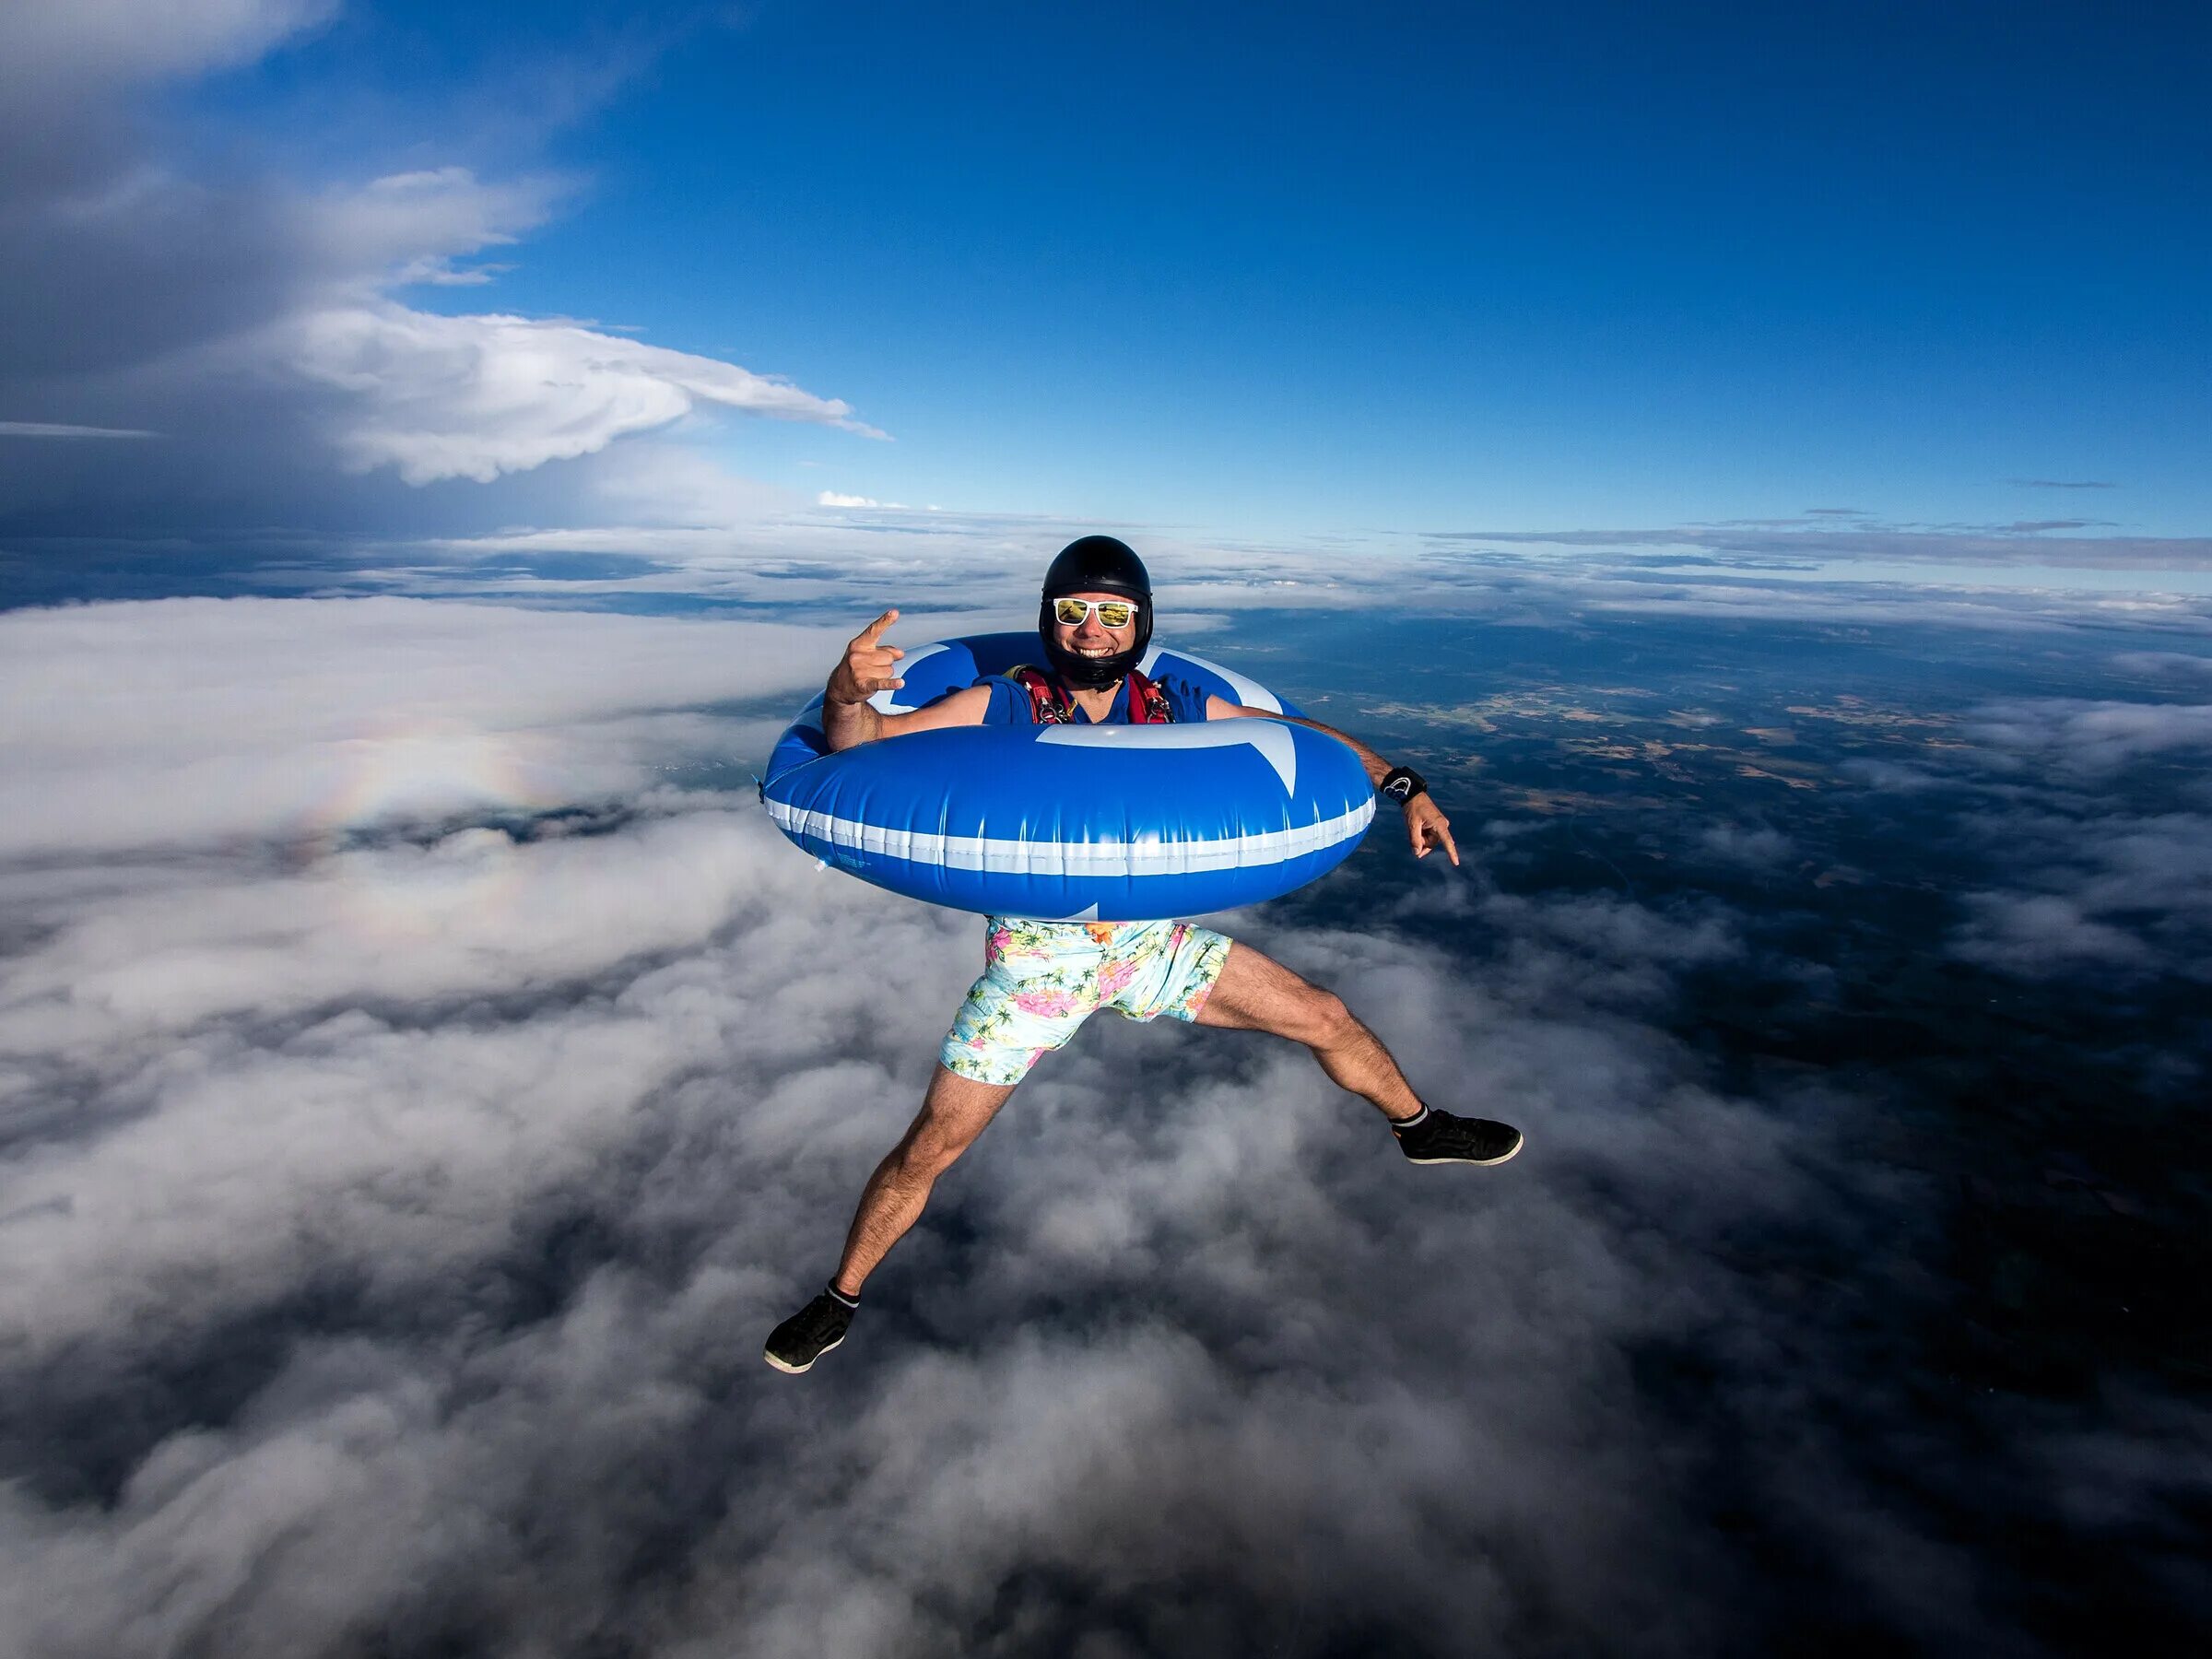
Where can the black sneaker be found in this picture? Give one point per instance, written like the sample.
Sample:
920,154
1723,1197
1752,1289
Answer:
1441,1138
808,1334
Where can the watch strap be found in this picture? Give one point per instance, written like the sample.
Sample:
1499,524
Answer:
1401,784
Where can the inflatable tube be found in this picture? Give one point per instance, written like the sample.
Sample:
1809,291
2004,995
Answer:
1074,823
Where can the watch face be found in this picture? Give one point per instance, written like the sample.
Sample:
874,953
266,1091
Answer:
1402,789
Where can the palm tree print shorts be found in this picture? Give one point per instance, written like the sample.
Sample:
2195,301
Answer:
1042,979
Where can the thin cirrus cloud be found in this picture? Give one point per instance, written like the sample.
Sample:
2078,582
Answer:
53,428
2022,542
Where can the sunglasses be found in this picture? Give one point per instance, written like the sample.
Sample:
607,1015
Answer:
1113,613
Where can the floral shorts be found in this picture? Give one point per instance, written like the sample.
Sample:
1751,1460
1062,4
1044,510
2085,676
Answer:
1043,978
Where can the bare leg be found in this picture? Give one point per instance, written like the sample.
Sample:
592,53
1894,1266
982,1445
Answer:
1255,993
953,1113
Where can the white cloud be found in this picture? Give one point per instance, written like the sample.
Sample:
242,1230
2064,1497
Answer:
138,732
1815,539
831,497
2042,934
2092,735
2160,663
2127,893
410,227
1759,846
254,321
106,41
392,1225
48,428
475,396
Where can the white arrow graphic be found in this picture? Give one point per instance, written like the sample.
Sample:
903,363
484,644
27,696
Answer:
1273,741
886,701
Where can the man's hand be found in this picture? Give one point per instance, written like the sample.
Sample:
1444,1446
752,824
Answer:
867,665
1426,823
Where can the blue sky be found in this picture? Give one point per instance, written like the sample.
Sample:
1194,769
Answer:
1309,270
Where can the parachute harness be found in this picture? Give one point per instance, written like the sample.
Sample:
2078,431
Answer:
1049,703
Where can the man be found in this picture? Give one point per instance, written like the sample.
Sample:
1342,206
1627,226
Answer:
1042,979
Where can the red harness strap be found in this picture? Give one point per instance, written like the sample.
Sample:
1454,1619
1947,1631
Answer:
1049,703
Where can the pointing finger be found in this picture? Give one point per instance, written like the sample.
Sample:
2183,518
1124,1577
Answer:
873,631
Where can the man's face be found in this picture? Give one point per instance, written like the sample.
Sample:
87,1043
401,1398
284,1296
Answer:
1091,637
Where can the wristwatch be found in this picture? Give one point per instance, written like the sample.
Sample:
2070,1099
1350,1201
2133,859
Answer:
1401,784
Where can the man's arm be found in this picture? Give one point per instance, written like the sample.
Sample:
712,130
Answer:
849,718
1425,823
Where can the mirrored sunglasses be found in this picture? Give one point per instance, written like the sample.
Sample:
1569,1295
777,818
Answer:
1113,613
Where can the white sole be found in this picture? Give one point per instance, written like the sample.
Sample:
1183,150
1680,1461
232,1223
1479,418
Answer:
790,1369
1485,1163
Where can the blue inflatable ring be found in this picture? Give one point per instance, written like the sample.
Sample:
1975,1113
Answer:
1073,823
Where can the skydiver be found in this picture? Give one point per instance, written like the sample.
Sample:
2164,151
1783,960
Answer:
1042,979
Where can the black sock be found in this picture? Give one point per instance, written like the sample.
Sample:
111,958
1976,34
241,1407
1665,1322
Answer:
1415,1122
851,1302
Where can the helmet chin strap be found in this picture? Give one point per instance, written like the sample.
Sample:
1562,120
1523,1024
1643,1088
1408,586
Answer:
1090,674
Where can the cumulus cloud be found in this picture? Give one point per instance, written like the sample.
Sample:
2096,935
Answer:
254,320
2128,891
1759,846
2091,736
2161,664
472,398
2043,935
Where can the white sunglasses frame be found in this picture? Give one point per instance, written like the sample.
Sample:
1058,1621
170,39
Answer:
1135,606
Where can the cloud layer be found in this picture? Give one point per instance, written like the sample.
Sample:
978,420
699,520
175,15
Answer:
139,732
395,1202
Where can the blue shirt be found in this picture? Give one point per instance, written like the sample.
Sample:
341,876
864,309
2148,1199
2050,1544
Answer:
1010,702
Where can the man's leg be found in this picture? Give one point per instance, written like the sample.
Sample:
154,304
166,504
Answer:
994,1042
953,1113
1255,993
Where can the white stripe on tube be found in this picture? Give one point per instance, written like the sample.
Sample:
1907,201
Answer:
1002,857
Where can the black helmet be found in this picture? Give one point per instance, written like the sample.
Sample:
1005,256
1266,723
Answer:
1095,564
